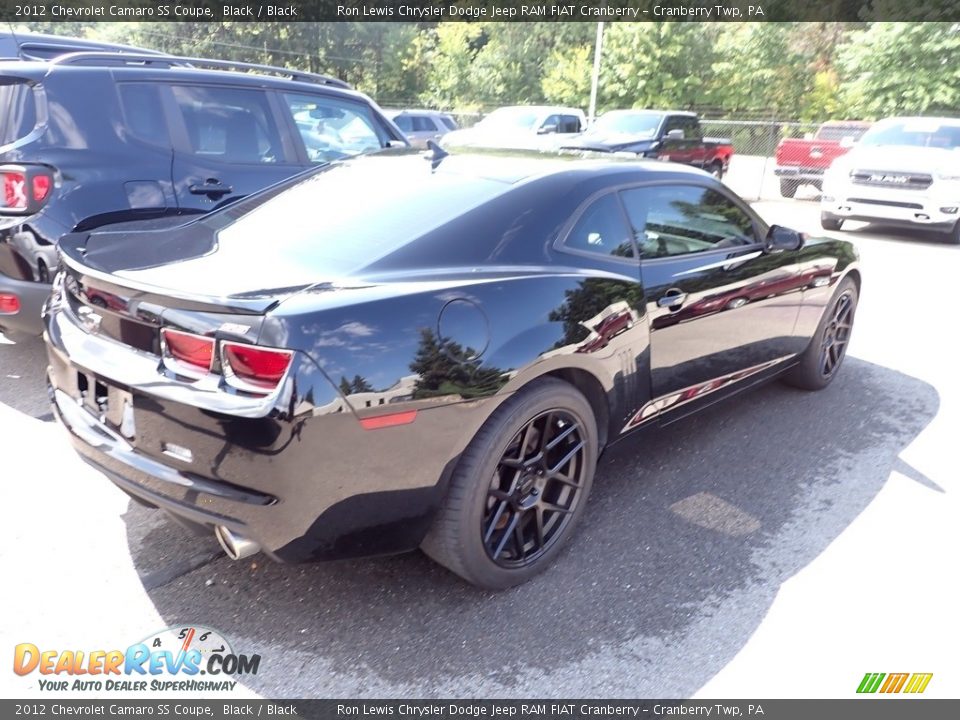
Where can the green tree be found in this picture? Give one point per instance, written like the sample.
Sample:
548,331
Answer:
901,68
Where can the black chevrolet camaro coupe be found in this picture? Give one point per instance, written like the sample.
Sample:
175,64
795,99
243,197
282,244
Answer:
402,351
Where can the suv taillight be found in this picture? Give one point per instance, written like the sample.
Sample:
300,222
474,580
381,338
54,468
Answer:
9,304
26,188
186,353
253,368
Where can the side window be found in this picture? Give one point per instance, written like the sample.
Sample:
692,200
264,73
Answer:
601,230
680,219
691,128
229,124
404,122
674,122
143,113
449,122
552,120
332,128
423,124
18,110
569,124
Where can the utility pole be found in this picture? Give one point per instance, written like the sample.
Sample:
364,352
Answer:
597,50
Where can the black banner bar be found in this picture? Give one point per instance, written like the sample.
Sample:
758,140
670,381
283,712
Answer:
476,10
867,708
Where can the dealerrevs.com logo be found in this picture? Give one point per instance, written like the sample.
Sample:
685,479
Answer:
176,659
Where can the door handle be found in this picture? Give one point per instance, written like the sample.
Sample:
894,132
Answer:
672,299
211,187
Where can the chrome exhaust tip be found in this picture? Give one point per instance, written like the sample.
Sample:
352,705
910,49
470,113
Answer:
234,546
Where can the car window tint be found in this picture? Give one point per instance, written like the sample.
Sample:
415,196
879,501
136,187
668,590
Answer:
404,122
449,122
229,124
601,230
143,113
423,124
552,120
691,128
332,129
18,110
679,219
569,124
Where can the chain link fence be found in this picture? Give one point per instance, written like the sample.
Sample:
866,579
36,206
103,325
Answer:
751,173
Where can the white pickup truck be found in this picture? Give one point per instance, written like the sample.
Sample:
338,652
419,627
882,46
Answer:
904,172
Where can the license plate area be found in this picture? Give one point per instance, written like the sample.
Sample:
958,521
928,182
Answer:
110,405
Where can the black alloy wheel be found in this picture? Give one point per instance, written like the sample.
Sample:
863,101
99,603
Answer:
836,335
519,488
535,490
819,363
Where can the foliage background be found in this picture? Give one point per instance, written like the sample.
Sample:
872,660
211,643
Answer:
791,71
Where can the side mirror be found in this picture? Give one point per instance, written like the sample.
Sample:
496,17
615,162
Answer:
675,134
780,238
547,129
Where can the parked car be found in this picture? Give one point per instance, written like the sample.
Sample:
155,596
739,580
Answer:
670,135
422,125
465,307
802,161
903,172
92,138
529,127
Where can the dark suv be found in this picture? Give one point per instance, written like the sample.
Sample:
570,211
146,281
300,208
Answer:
102,136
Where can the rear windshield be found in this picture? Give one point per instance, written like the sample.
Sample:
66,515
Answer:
349,215
838,133
18,110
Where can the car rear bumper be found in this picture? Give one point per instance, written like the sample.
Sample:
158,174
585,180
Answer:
307,485
32,295
799,173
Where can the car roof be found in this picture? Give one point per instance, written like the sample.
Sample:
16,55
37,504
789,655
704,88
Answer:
543,109
414,111
513,167
38,46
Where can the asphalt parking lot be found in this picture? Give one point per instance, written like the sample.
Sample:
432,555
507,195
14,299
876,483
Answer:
780,545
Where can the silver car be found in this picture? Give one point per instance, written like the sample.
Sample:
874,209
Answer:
422,125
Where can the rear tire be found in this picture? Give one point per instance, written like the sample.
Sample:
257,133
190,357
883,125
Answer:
824,355
519,488
828,222
716,169
788,188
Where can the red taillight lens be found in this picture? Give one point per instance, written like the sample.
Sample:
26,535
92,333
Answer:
9,304
260,368
194,351
14,190
41,187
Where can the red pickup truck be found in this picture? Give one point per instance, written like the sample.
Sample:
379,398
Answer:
802,161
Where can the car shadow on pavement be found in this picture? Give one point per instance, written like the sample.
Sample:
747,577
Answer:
689,533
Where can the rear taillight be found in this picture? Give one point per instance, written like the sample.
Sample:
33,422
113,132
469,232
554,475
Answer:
186,353
26,188
14,191
9,304
253,368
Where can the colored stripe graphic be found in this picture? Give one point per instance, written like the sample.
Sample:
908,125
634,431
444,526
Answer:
918,682
894,682
870,682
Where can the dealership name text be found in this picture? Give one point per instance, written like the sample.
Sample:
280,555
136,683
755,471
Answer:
552,709
544,11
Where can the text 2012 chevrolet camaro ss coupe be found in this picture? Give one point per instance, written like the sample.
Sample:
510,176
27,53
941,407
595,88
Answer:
397,351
